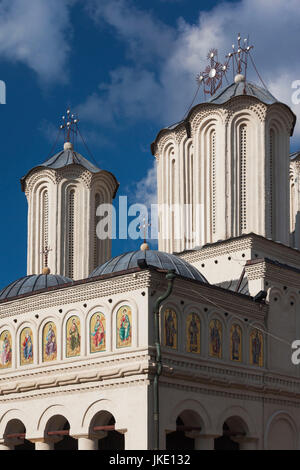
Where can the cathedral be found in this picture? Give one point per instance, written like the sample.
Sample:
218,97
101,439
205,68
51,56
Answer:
187,347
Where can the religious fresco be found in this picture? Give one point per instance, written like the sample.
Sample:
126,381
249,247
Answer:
73,336
26,347
49,342
124,327
193,333
170,329
97,333
215,339
236,343
5,350
256,348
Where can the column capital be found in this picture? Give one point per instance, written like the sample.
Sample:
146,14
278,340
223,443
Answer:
86,443
205,441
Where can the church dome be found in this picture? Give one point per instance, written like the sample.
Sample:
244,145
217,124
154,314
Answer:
68,156
158,259
242,88
33,283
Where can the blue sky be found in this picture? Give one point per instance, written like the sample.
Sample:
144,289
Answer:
128,69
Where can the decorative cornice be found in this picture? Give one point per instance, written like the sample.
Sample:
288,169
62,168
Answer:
75,293
273,272
256,243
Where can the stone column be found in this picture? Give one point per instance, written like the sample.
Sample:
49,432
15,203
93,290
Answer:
136,438
204,442
248,444
84,443
43,445
6,447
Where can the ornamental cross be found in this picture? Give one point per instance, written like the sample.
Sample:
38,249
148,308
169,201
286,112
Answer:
46,252
239,55
212,77
69,125
144,228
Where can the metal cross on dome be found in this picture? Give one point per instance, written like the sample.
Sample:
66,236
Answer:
239,55
69,125
212,77
46,252
144,227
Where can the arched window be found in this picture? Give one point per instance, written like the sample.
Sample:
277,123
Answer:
71,234
96,239
172,205
45,223
243,175
272,182
188,170
213,188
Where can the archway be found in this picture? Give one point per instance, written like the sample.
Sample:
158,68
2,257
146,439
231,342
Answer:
102,429
188,424
281,433
234,429
57,431
14,436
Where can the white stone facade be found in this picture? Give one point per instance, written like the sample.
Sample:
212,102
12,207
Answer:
295,201
257,402
62,207
229,165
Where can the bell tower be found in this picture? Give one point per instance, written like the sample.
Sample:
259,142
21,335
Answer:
63,194
223,171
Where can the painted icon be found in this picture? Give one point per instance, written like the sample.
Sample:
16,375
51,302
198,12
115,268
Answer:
98,333
49,342
170,329
215,343
193,333
236,343
5,350
256,348
124,327
26,347
73,336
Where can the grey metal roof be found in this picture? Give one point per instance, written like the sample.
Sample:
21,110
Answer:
295,155
223,96
232,286
65,158
69,157
157,259
32,283
242,89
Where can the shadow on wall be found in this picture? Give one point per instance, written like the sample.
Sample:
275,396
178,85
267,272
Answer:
297,231
295,236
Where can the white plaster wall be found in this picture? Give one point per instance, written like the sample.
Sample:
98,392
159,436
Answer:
177,154
58,184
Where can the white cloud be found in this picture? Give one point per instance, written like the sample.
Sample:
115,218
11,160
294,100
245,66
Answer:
36,33
146,37
146,189
145,192
160,84
123,98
